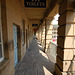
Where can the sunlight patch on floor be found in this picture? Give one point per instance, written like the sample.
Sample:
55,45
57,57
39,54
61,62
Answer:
43,54
46,71
40,46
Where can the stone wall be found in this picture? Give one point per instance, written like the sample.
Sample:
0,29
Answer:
12,12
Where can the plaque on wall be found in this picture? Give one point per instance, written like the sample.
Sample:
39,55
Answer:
35,3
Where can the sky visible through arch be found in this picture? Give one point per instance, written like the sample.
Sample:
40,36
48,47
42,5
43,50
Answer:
55,21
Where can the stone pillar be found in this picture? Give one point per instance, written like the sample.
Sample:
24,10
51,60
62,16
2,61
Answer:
37,34
48,33
66,39
43,35
40,33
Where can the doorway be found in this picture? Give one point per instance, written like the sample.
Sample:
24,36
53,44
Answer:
26,38
15,45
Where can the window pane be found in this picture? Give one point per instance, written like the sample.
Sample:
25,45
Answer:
0,37
0,50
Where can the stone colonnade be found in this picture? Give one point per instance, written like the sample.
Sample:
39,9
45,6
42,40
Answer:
66,39
65,64
44,33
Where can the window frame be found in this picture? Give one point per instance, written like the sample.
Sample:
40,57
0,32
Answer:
1,43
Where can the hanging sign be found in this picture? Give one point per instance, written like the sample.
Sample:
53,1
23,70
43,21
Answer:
34,25
35,3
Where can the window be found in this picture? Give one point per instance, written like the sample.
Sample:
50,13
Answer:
1,45
23,32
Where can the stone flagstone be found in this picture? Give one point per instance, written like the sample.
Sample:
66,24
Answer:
35,61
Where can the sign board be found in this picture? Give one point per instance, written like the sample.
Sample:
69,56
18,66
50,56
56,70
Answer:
34,25
35,3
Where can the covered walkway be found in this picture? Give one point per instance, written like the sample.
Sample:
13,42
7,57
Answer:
35,61
53,23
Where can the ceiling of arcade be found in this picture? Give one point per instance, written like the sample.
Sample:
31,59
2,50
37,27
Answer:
36,15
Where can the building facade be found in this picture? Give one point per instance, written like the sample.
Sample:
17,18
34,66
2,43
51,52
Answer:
54,34
15,35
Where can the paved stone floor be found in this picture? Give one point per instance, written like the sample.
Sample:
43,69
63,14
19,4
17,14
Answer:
35,61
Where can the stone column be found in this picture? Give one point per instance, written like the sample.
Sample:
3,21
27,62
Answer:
40,33
66,39
48,32
43,35
37,34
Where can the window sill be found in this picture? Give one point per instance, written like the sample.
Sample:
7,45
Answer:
3,64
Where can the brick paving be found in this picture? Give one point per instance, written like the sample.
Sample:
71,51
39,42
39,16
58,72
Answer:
35,61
